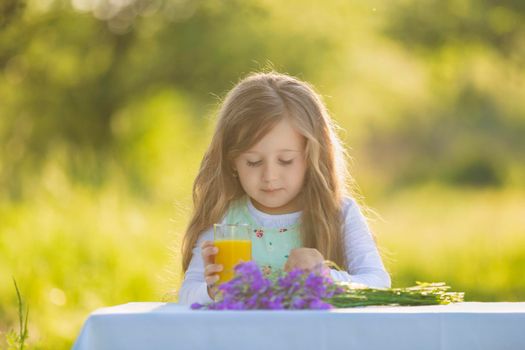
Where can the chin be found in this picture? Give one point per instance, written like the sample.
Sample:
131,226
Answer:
272,204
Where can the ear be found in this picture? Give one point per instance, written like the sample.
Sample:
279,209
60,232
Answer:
234,170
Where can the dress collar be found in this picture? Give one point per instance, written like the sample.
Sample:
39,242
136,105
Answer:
272,220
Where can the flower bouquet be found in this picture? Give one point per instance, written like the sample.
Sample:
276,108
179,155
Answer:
299,289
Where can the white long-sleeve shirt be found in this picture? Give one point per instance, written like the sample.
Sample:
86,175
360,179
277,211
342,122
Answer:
364,262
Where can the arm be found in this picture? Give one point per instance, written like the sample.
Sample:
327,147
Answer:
194,288
364,263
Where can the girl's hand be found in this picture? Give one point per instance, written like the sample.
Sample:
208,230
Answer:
208,252
306,259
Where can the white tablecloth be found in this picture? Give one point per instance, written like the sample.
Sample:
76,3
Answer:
464,326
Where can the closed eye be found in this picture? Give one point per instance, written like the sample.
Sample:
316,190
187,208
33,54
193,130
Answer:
281,161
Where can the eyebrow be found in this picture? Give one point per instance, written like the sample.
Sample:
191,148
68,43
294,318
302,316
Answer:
281,150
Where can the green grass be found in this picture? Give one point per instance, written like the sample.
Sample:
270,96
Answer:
79,251
73,249
472,239
16,340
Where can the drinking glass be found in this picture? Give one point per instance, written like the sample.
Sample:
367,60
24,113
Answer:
235,246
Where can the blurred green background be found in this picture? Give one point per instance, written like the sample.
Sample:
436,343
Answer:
106,107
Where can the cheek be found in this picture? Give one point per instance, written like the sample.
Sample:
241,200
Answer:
248,176
296,174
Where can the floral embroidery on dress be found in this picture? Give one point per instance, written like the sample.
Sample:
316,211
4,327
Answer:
281,230
259,233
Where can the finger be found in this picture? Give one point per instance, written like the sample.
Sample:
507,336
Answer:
212,291
212,269
213,250
211,280
306,265
208,255
322,269
206,244
299,265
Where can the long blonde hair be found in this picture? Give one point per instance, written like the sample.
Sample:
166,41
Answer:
250,110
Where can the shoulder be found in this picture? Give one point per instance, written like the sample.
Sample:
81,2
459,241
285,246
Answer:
206,235
352,212
233,208
349,206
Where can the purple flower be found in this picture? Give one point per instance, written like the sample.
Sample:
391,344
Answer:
248,269
315,284
196,306
260,285
276,303
249,290
318,304
298,303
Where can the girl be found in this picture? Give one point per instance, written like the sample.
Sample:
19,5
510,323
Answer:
276,163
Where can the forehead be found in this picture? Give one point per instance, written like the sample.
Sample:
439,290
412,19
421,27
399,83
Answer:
282,138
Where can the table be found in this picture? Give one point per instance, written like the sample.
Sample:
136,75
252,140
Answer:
462,326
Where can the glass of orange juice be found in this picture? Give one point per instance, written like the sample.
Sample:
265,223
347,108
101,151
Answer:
235,246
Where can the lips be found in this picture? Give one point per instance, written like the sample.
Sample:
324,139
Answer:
270,190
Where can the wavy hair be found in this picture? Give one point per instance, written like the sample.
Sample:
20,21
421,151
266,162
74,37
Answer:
249,111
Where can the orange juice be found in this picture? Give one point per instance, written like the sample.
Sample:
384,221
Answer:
231,252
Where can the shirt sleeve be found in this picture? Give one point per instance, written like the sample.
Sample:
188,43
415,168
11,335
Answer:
194,288
364,262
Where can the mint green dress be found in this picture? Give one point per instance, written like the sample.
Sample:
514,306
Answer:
270,246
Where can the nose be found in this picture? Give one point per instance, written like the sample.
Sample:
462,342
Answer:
269,173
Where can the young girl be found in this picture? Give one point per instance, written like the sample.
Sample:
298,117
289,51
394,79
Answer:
276,163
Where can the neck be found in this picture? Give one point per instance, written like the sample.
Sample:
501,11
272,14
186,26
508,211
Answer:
291,207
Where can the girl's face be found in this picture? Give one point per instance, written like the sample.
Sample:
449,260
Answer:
272,172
